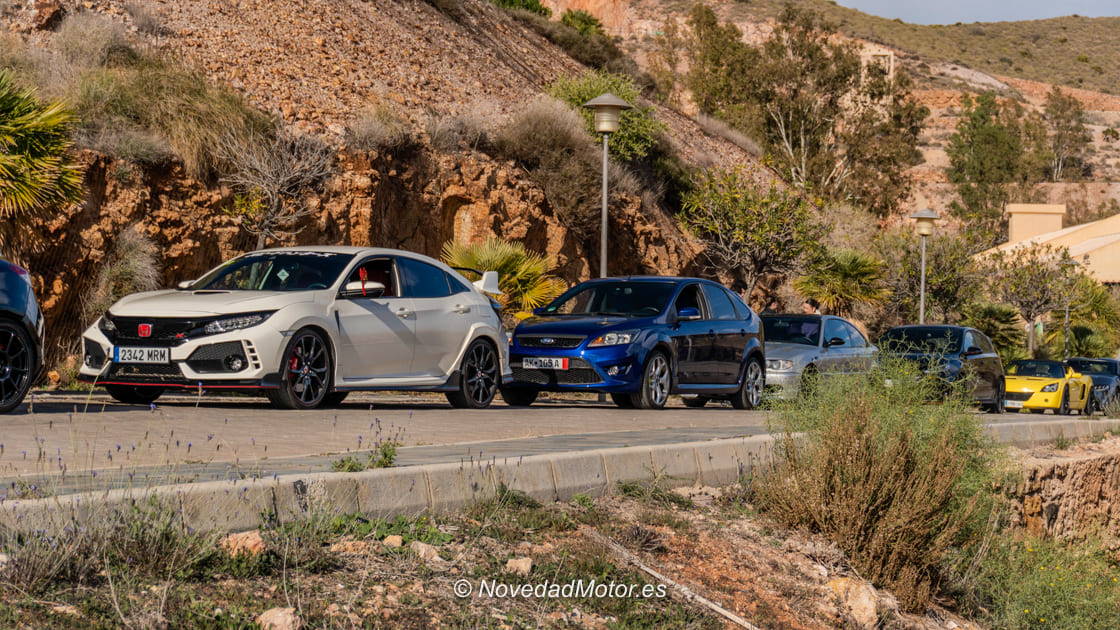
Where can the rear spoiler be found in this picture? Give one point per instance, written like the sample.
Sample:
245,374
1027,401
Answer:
488,282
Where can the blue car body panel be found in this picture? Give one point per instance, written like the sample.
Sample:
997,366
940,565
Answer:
708,356
17,303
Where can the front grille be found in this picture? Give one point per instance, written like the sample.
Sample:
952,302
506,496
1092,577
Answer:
558,341
1024,396
212,357
147,371
166,331
579,372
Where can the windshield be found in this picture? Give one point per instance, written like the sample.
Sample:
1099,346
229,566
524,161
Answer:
1093,367
275,271
622,298
922,340
803,330
1045,369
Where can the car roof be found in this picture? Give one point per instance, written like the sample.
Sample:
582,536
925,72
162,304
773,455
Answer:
652,279
346,249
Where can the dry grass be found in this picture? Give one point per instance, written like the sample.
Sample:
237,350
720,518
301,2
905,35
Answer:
131,267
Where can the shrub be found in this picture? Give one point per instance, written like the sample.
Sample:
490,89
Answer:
470,130
897,484
143,20
532,6
132,266
379,128
586,24
597,51
638,130
88,39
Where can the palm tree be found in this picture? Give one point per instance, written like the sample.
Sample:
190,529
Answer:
1001,323
843,280
35,172
522,275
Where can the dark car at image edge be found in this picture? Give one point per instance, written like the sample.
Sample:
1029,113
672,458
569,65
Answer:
641,339
21,335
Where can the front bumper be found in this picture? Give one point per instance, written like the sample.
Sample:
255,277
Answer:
611,369
1026,399
783,384
194,363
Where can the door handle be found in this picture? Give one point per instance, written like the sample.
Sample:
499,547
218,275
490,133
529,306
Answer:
459,308
404,314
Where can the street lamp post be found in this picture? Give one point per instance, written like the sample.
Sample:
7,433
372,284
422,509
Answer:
925,219
608,109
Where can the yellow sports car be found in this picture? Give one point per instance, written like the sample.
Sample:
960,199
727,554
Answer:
1042,385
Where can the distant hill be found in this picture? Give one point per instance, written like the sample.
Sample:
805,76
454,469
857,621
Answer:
1073,51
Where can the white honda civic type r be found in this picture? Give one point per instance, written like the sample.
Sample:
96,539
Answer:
305,326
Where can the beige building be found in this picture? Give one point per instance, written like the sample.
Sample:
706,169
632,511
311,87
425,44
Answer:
1098,243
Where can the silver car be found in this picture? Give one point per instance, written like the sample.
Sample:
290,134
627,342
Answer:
802,347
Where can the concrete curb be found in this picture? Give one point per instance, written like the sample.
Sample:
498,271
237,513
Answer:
246,504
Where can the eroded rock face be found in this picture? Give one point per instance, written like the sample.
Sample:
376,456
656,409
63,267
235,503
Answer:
1070,498
416,202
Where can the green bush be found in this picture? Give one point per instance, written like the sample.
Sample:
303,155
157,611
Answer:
597,50
896,483
532,6
1026,583
588,25
638,130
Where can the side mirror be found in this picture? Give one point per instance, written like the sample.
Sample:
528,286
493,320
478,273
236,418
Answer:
538,310
353,290
973,351
835,341
488,283
185,284
688,314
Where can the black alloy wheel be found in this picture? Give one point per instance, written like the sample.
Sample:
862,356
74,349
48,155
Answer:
17,365
305,372
749,395
478,378
134,394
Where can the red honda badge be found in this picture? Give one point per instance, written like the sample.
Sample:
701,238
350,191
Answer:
145,330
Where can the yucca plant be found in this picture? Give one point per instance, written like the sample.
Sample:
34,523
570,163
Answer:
522,275
35,170
844,279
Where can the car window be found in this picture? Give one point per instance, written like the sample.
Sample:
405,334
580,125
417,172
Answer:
623,298
855,337
421,280
376,270
835,328
922,339
690,298
1091,367
969,340
1043,369
984,343
792,329
721,306
742,311
275,271
456,284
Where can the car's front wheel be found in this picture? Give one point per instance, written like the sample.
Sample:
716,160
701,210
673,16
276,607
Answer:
519,396
623,401
134,394
17,365
478,377
1063,409
657,379
749,395
305,372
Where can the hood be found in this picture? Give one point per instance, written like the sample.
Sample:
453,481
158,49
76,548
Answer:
1029,382
795,352
1102,379
172,303
577,325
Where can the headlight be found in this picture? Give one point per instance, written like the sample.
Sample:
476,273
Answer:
1052,387
779,364
106,324
619,338
235,323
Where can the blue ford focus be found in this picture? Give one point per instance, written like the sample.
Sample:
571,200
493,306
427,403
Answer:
641,339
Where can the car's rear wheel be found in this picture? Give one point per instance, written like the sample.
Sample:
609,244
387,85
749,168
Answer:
519,396
624,401
478,377
657,379
749,395
305,372
695,402
134,394
999,403
17,365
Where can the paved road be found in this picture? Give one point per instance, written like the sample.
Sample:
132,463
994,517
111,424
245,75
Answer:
91,441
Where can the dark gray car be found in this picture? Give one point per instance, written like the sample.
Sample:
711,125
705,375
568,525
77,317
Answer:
1105,374
21,335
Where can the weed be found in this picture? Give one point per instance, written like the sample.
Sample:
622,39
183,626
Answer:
131,267
379,128
583,501
653,493
1061,442
143,20
349,464
421,528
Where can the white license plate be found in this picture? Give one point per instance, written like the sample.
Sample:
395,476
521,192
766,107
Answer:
141,355
545,363
1013,404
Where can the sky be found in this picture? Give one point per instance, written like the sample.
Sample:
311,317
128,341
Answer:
953,11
